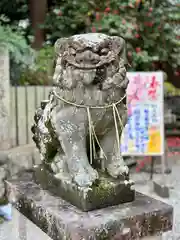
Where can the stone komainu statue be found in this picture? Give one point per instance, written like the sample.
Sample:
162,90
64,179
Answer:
77,125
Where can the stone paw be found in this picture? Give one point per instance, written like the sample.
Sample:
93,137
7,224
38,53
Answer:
85,178
93,174
59,165
117,170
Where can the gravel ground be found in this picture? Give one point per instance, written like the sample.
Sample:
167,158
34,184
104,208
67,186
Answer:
144,185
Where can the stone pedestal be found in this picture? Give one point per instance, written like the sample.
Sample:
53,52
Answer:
60,220
4,98
106,192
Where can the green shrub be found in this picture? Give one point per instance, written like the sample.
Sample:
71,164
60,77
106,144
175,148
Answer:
40,73
21,54
152,34
26,65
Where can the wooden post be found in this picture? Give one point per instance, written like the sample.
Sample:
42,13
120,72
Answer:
152,167
37,15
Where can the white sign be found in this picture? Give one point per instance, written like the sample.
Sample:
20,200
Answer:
143,134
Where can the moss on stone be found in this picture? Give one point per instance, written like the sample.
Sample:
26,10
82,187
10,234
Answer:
103,234
3,201
106,191
103,189
1,220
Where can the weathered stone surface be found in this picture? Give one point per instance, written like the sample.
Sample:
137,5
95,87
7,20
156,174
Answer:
60,220
20,158
36,156
2,173
87,102
4,98
107,192
2,177
3,157
80,125
2,190
16,159
161,189
145,186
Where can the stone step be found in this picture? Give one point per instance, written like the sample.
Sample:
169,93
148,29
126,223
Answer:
18,158
21,228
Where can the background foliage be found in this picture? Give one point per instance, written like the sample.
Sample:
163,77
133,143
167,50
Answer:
152,32
21,55
149,32
40,72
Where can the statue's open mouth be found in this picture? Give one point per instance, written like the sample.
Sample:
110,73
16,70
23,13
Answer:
87,65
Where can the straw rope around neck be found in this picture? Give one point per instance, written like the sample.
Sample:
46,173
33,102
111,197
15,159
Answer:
92,134
86,106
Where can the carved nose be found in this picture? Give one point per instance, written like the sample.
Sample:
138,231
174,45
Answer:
88,57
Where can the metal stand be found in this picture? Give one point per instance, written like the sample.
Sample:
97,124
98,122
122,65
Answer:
160,187
152,168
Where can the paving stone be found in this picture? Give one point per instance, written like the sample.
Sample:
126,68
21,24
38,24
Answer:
143,185
21,228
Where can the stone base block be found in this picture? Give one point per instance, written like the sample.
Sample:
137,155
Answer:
144,216
19,158
107,192
161,189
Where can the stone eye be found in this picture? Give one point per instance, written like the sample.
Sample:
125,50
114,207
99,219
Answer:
104,51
